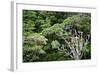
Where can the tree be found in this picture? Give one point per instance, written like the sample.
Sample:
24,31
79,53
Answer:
34,43
55,36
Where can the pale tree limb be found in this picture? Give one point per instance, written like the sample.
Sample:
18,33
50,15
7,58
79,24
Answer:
76,44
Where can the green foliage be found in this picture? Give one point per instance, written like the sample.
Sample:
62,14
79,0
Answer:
44,34
81,22
55,44
37,39
87,52
56,28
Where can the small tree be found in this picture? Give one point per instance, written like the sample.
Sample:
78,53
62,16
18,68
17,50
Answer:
35,43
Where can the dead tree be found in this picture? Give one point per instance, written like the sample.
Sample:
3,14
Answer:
76,44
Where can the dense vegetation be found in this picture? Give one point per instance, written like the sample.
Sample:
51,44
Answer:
56,36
